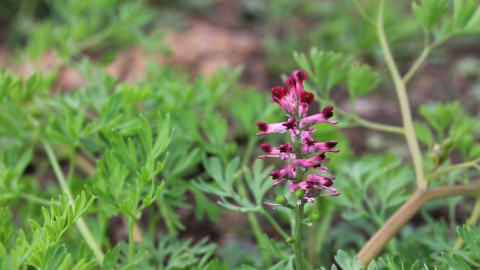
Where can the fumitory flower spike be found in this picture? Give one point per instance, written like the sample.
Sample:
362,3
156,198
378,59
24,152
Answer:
300,156
305,153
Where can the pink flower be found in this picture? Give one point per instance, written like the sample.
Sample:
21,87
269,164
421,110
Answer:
295,83
287,169
291,93
318,118
283,152
280,96
290,97
275,128
314,185
272,204
305,99
319,147
313,162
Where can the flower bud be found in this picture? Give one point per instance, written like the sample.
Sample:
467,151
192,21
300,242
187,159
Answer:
281,200
289,240
314,215
300,193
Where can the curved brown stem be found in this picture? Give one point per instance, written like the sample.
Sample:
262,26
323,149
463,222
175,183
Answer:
378,241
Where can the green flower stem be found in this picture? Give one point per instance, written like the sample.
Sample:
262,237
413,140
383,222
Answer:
473,219
451,168
300,203
378,241
80,223
297,234
275,224
404,104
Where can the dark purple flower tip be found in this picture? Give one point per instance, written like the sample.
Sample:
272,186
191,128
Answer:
266,148
300,74
327,112
331,144
290,124
306,97
290,82
286,148
262,126
278,92
277,174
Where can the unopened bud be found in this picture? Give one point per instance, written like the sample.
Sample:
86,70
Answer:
300,193
314,215
281,200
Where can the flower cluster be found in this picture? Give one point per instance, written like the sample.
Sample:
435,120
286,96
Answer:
305,153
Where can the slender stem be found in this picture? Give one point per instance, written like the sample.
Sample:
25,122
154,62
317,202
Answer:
473,20
378,241
248,151
131,240
80,223
10,196
297,234
326,213
363,14
380,127
404,104
369,124
473,219
27,9
95,39
72,162
168,221
300,204
257,231
312,243
85,165
416,65
36,199
275,224
451,168
326,222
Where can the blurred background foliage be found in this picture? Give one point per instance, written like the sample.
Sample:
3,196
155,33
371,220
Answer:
87,36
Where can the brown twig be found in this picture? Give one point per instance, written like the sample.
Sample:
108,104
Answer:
378,241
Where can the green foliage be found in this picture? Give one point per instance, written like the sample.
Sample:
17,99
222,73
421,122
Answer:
429,12
361,80
121,24
368,175
470,235
224,184
327,69
173,253
151,150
